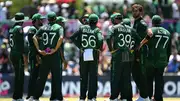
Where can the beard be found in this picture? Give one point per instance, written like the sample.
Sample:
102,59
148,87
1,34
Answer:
136,16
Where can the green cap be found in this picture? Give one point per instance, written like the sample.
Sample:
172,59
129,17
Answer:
114,16
60,19
127,21
37,16
156,19
51,15
19,17
93,18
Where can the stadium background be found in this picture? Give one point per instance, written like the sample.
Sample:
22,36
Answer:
73,10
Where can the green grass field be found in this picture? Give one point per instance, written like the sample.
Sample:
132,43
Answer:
99,99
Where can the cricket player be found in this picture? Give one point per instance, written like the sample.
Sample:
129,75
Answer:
52,36
84,19
61,21
34,58
158,42
120,43
138,70
16,42
89,40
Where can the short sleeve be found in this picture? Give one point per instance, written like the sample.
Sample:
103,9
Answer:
109,33
99,35
31,31
143,25
19,30
38,33
61,32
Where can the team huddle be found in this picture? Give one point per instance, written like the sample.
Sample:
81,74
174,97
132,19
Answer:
138,50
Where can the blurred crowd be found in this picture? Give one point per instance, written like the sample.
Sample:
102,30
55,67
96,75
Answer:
167,9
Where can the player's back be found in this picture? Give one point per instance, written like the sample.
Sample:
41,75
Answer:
17,39
49,35
88,37
158,45
123,36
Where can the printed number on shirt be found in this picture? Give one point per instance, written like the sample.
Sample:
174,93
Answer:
125,40
48,38
88,41
160,37
11,42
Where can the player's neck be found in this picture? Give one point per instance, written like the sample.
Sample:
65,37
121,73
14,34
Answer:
36,26
138,18
51,23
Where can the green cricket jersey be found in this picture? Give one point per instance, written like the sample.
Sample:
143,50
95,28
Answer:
141,27
49,35
32,49
124,37
88,37
158,46
16,39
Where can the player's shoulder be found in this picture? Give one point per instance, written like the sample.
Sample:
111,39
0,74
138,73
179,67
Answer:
32,29
97,30
167,32
84,26
143,23
44,27
56,27
117,26
129,27
18,28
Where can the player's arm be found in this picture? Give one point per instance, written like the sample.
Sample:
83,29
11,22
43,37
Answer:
100,40
109,39
146,39
35,37
63,59
74,38
169,46
36,42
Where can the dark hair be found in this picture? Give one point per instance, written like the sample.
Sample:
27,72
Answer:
92,23
156,24
52,19
33,21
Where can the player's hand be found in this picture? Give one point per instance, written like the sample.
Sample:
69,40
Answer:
138,48
65,64
42,52
52,51
113,51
